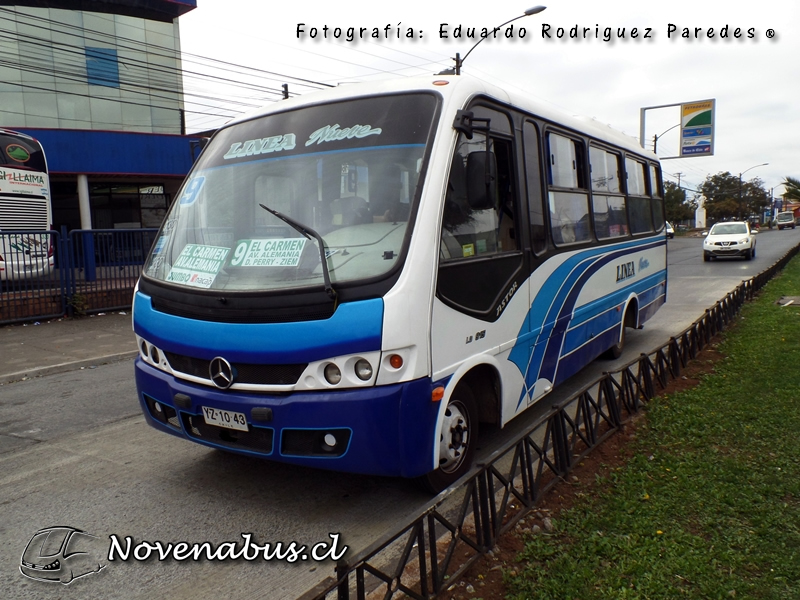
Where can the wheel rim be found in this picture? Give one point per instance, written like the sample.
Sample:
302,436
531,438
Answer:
454,440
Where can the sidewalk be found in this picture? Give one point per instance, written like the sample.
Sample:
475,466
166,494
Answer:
58,345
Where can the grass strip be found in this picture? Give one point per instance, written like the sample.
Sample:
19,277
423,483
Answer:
709,504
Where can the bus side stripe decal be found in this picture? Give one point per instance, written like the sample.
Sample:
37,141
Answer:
560,297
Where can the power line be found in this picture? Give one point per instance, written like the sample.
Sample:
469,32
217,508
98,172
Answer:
153,49
120,101
44,48
157,82
66,62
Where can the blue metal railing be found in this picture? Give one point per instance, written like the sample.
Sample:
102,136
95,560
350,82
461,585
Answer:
57,273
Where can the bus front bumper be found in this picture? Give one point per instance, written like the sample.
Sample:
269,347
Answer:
382,430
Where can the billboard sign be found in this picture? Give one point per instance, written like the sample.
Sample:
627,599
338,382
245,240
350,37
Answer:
697,128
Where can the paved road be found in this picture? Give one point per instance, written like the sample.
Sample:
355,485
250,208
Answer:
75,451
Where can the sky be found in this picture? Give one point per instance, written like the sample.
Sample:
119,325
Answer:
606,72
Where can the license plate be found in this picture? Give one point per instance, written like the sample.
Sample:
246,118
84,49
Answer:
224,418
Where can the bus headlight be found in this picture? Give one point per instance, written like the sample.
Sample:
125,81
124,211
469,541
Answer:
152,355
347,371
332,374
363,369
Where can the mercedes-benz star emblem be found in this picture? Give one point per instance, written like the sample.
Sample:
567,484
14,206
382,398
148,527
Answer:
221,373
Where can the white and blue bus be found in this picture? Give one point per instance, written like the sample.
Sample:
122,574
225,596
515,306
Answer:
356,279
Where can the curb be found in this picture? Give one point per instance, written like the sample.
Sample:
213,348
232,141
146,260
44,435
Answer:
65,367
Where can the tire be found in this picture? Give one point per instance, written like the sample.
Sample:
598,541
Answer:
706,257
457,441
749,254
617,349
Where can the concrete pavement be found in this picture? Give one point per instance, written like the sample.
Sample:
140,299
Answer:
57,345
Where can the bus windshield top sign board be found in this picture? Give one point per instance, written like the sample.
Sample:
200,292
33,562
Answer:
697,128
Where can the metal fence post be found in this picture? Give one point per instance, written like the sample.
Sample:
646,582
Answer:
89,262
342,574
613,403
65,268
485,526
560,442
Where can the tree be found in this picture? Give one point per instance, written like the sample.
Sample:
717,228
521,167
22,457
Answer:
728,197
676,205
792,186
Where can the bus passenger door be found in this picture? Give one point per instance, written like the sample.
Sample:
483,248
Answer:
481,296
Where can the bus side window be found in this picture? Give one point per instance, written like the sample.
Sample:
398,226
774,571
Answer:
656,194
533,177
639,211
479,230
608,202
569,202
506,201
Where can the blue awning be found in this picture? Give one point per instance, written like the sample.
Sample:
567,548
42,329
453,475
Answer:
116,152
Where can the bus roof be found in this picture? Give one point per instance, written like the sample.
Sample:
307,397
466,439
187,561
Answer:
456,91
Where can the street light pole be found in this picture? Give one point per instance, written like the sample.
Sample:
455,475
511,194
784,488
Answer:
740,186
656,137
772,203
460,61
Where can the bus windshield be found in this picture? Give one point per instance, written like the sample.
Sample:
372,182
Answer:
347,171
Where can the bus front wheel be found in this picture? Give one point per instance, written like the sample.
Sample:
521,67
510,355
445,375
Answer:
457,441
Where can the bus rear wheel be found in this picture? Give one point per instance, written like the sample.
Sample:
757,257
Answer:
457,441
627,321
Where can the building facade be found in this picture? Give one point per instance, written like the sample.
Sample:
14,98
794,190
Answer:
99,84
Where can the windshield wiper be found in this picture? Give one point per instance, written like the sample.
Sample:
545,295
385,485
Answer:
309,233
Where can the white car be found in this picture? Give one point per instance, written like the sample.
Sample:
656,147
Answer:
731,238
